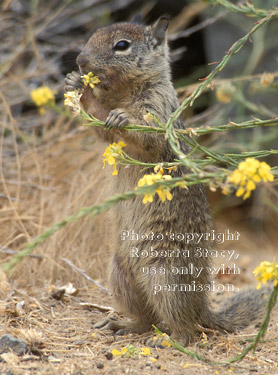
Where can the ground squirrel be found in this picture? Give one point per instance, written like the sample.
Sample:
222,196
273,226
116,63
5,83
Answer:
132,62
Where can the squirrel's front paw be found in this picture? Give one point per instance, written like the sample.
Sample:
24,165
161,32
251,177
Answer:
73,81
116,119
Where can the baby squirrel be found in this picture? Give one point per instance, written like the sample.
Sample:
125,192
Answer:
132,63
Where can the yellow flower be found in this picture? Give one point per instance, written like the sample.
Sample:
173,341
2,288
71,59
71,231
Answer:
131,352
159,168
116,352
267,79
264,172
119,353
204,338
240,192
42,96
164,194
90,79
148,117
173,168
165,343
111,154
149,179
266,271
162,191
181,184
145,351
147,198
72,99
249,172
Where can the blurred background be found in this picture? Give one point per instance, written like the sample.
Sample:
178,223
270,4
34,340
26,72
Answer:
51,164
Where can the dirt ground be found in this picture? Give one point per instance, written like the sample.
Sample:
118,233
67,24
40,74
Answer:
61,338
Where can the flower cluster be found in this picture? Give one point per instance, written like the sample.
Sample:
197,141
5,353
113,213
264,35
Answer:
148,117
266,271
42,96
164,343
111,155
90,79
162,191
72,99
132,352
204,338
248,173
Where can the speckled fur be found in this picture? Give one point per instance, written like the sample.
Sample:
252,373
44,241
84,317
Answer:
139,82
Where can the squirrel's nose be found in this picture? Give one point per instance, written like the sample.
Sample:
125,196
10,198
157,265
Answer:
82,60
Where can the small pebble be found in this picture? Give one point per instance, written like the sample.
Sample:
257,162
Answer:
8,342
108,355
100,365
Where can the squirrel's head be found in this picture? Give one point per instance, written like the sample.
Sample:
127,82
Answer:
126,50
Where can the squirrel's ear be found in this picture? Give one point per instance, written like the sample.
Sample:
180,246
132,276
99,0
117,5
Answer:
137,19
158,30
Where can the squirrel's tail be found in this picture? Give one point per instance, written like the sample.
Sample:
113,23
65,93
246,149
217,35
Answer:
240,310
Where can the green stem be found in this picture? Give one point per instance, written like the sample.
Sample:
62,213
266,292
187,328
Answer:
93,211
236,47
247,9
263,327
198,131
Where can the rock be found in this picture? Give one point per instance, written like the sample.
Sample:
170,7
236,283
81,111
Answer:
8,342
108,355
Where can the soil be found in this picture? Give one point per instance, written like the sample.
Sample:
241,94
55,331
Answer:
61,338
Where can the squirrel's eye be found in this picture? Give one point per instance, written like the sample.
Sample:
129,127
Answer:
122,45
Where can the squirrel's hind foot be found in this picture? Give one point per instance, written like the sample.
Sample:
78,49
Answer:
122,327
73,81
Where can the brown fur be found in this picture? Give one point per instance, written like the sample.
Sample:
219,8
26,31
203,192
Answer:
135,83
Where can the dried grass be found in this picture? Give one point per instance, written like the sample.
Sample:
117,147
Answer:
51,182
